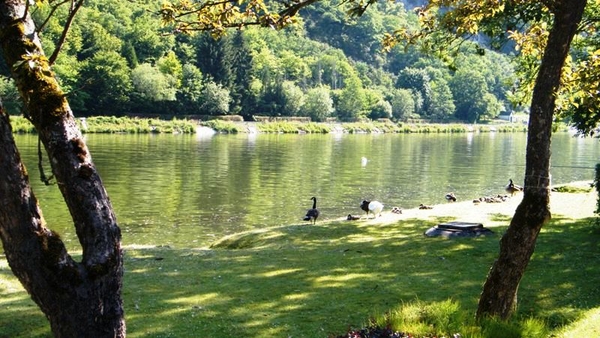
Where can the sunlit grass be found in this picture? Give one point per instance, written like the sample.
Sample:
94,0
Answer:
319,281
134,125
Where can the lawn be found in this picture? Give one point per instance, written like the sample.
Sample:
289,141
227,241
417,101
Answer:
318,281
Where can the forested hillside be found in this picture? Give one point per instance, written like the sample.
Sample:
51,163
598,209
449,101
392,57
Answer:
119,60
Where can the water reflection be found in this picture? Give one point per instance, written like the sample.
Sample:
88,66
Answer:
184,190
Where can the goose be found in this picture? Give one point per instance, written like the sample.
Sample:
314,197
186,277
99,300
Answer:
512,188
450,197
374,207
312,214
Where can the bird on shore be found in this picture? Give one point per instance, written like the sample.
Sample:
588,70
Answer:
352,217
374,207
425,207
312,214
396,210
512,188
450,197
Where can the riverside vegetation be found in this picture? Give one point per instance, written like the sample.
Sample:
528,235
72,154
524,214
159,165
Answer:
334,278
112,124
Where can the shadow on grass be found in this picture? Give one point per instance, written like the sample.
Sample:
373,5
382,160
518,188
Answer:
312,281
19,315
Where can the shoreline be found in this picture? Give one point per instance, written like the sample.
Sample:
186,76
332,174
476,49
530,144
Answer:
574,205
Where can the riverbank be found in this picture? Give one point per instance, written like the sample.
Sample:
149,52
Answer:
300,280
563,205
135,125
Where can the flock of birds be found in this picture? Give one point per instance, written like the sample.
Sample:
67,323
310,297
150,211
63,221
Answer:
376,207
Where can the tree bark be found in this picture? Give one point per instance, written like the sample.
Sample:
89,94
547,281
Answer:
499,295
80,299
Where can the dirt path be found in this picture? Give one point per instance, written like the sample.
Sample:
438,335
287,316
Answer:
569,205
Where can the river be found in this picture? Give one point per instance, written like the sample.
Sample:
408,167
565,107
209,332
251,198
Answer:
188,190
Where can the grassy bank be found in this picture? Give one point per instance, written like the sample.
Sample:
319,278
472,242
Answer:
117,125
128,125
321,281
292,127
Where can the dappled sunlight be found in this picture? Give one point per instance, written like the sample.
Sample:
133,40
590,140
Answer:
340,280
197,299
278,273
360,239
337,276
588,323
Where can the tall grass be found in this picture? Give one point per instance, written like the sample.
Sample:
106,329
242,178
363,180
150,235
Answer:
114,125
222,126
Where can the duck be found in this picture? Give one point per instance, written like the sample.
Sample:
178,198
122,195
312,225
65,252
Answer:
374,207
312,214
450,197
352,217
424,207
512,188
396,210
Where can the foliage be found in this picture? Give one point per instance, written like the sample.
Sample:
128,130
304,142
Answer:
112,124
279,127
20,124
123,62
222,126
216,99
106,77
315,128
151,84
10,96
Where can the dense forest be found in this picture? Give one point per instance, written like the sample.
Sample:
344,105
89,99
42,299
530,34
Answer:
119,60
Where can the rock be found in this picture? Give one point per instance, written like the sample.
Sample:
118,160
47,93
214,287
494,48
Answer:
458,229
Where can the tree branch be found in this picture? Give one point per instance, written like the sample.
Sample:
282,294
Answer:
75,6
54,8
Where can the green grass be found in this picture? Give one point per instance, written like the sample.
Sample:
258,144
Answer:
112,124
320,281
132,125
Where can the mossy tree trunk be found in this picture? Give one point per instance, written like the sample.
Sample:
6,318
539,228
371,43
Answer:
80,299
499,296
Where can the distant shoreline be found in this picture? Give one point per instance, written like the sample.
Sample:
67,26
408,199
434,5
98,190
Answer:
137,125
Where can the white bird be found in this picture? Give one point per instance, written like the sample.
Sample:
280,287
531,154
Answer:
312,214
374,207
363,161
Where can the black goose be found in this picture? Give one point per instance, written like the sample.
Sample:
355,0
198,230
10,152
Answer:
512,188
312,214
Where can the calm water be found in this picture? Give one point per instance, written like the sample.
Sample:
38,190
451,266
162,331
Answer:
187,190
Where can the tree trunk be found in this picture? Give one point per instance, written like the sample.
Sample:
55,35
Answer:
499,296
80,299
